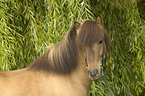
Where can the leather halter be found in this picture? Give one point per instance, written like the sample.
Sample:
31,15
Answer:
102,74
103,59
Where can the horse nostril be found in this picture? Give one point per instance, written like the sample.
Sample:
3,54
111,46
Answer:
95,71
89,73
94,74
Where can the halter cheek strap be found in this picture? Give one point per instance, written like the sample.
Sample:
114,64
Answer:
103,59
86,62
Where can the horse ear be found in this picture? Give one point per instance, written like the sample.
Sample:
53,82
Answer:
77,25
98,21
73,31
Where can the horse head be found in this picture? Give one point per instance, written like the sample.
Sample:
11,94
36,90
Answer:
93,42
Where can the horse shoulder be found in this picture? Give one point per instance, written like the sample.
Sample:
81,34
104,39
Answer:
64,86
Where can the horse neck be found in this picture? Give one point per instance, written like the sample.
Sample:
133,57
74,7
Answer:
80,74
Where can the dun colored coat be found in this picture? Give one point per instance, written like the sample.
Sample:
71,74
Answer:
62,71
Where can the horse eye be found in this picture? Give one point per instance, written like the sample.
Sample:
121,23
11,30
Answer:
100,42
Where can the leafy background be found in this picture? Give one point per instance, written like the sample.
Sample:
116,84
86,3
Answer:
29,27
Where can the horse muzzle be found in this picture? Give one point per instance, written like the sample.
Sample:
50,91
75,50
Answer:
94,74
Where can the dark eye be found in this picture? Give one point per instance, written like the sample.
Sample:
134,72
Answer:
100,42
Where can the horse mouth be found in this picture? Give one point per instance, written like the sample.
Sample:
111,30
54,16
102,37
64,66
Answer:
94,75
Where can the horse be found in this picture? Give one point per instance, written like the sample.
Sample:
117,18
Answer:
66,69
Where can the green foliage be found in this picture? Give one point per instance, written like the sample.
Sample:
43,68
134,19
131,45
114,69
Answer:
29,27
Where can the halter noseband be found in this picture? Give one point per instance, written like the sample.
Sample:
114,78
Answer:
86,62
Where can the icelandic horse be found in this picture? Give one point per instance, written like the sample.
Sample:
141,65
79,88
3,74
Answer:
62,71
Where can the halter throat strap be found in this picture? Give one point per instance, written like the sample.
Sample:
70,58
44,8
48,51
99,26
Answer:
110,93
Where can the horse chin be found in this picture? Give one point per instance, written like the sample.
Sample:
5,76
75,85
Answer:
94,78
